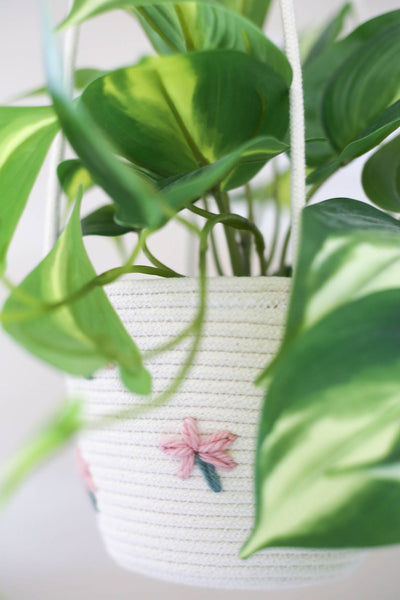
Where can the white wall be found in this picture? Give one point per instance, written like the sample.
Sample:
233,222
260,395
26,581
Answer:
49,547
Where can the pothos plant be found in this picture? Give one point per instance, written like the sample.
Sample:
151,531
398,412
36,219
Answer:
187,131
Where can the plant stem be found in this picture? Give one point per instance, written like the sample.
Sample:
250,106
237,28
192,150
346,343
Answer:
214,246
157,263
222,200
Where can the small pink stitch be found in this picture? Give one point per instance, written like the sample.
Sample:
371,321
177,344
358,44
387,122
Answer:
211,449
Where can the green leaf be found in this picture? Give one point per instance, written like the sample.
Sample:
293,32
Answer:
329,34
188,26
318,73
365,86
79,337
52,437
25,137
173,114
381,176
329,447
372,135
180,191
102,222
82,10
72,176
330,426
255,10
138,202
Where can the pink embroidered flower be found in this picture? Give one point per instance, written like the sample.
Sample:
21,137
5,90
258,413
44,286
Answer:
209,453
87,477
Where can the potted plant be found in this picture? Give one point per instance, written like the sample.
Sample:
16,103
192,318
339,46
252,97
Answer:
165,366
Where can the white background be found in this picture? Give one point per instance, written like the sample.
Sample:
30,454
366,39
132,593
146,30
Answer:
49,546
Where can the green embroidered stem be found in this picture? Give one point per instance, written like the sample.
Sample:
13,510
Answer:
210,474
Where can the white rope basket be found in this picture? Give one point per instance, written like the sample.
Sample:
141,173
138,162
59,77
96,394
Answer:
152,521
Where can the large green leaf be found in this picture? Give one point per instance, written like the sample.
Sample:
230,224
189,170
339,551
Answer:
188,26
319,72
381,176
25,137
329,442
82,336
174,114
359,92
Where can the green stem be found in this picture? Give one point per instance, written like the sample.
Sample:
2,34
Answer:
214,247
157,263
222,201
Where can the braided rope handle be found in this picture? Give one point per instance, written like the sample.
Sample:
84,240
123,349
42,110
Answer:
297,124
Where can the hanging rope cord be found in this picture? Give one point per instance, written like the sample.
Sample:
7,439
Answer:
297,124
54,193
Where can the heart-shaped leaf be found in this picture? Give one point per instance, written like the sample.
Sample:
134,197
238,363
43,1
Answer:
366,84
329,442
79,337
25,137
319,72
381,176
173,114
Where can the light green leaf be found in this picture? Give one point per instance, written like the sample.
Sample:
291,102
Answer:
73,176
381,176
25,137
52,437
319,72
188,26
330,428
81,336
173,114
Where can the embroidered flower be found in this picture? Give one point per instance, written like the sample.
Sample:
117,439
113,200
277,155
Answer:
87,478
209,453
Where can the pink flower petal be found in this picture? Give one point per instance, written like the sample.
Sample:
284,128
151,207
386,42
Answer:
175,447
220,460
186,467
221,440
190,433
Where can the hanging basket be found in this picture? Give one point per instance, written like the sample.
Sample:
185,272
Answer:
174,486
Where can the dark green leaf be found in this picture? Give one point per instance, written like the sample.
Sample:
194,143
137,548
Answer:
102,222
318,73
25,137
81,336
381,176
329,440
173,114
363,88
329,34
